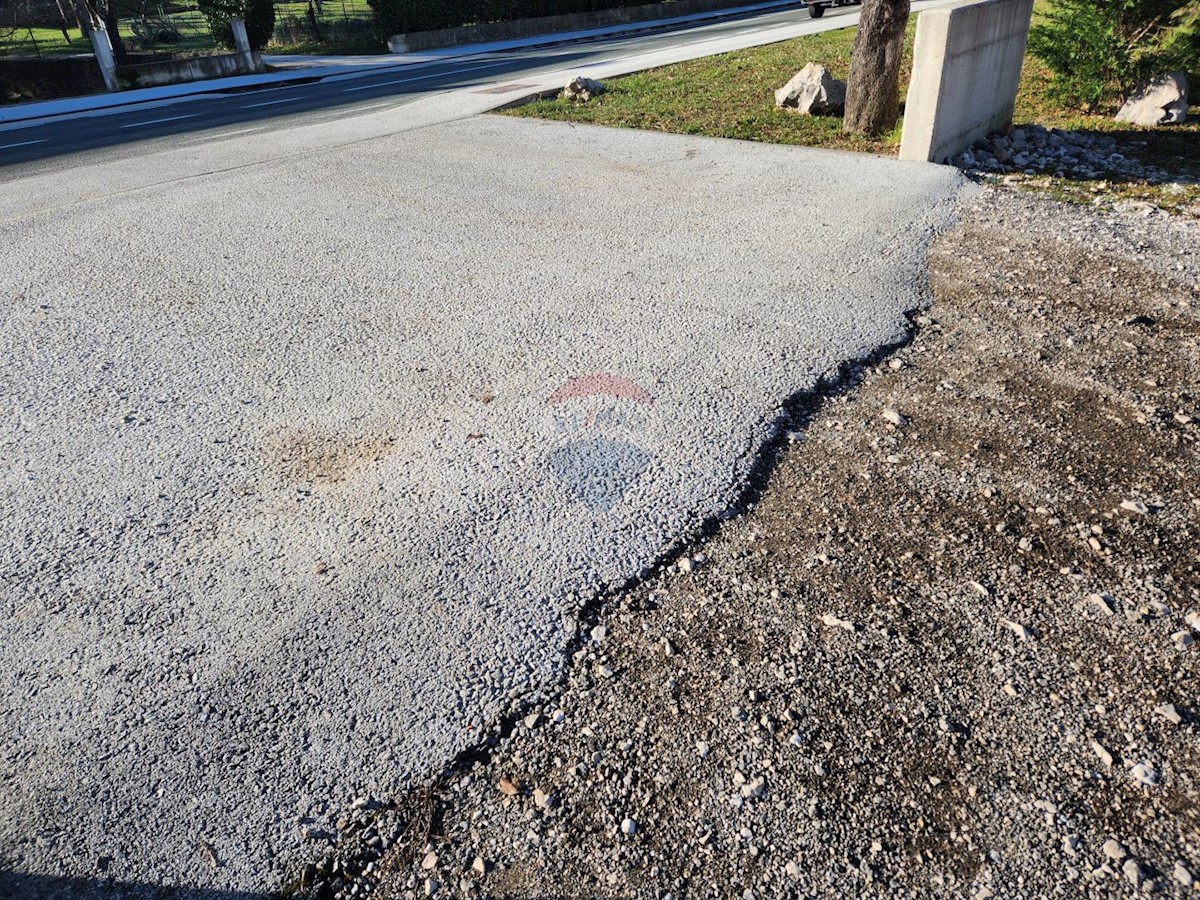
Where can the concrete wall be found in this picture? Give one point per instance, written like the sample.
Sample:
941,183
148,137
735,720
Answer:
966,68
519,28
178,71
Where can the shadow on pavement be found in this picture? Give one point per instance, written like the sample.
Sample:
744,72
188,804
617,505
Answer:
20,886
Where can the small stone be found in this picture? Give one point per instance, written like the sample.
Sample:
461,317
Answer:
1182,875
702,749
429,863
508,787
604,670
831,621
480,865
599,633
543,799
1170,713
1144,774
1193,620
431,886
628,827
1103,602
1182,640
754,788
981,589
1010,689
558,717
1132,872
1113,849
582,89
1018,629
1105,756
895,365
1070,844
796,740
1135,506
532,720
793,870
895,417
685,565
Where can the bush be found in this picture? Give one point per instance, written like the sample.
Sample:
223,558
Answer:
1099,50
259,16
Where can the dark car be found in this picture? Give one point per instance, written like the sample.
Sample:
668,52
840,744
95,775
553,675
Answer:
816,8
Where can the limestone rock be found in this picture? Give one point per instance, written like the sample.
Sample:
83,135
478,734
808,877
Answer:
583,89
1161,100
813,92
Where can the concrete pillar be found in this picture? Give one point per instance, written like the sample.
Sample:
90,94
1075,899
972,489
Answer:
102,47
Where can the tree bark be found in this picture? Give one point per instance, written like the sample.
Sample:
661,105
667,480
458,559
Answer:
873,88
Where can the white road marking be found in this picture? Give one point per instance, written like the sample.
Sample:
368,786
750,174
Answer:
271,102
159,121
367,87
23,144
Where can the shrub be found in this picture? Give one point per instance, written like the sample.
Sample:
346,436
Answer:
1099,50
400,16
259,16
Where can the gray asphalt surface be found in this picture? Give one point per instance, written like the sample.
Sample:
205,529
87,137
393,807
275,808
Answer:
308,464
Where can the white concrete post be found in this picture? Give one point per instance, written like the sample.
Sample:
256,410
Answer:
102,47
966,70
240,39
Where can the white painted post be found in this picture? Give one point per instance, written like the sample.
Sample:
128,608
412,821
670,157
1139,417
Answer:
102,47
240,39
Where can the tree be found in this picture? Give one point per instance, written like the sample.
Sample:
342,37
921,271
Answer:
873,88
259,16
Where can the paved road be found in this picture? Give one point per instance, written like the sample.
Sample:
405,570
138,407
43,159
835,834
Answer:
197,120
315,441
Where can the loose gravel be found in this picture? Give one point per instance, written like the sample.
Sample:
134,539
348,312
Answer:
947,649
308,466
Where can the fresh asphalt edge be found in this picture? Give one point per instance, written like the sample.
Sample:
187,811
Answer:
364,843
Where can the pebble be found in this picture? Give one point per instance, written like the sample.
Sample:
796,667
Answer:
543,799
685,565
1113,849
1103,602
1182,640
431,886
831,621
480,865
793,869
532,720
1132,872
1018,629
1135,506
1144,774
1070,844
895,417
1182,875
628,826
702,749
599,633
1193,619
429,863
1105,756
1170,713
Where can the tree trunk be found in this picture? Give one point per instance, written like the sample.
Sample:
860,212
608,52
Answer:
112,26
873,88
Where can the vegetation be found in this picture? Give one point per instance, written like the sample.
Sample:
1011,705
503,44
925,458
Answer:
1098,50
259,16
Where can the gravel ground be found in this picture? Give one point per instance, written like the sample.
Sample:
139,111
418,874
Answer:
945,648
304,487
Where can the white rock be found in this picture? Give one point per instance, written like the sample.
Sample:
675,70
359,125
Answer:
1070,844
628,826
1113,849
1170,713
793,869
1132,872
831,621
1103,602
685,565
582,89
1135,506
796,740
1161,100
702,749
1193,619
558,717
1182,639
1182,875
1144,774
812,92
480,865
754,788
544,799
431,886
1018,629
895,417
599,633
532,720
1105,756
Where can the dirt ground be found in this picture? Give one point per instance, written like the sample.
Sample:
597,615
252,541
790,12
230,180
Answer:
946,650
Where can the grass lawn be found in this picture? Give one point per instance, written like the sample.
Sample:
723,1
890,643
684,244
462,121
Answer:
732,96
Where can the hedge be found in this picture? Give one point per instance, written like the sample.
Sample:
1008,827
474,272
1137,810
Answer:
401,16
